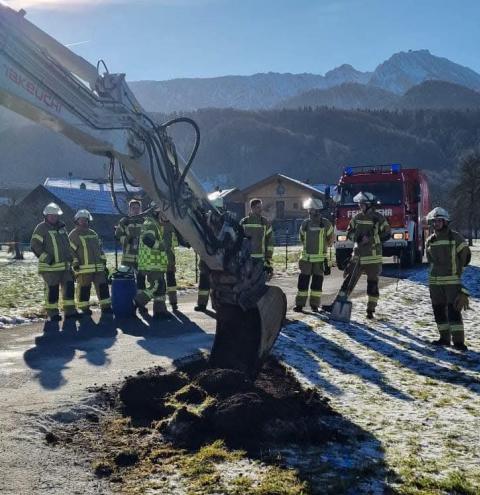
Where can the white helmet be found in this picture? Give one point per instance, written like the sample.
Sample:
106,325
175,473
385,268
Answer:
313,204
52,209
438,213
364,197
83,214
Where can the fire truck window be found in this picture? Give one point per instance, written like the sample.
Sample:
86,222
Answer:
387,193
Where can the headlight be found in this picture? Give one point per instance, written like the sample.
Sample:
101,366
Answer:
398,236
341,238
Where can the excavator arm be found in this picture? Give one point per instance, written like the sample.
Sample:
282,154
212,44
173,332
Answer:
44,81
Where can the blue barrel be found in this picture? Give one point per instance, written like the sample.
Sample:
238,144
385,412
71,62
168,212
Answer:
123,292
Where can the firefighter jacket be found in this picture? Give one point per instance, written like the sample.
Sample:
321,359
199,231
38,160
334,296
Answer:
375,226
152,255
315,235
260,232
448,254
128,234
50,245
88,255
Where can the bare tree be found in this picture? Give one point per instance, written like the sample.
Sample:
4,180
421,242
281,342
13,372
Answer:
12,217
466,194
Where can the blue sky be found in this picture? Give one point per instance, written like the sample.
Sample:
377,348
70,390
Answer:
165,39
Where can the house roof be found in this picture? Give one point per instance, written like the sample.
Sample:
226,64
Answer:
87,184
96,201
308,187
221,194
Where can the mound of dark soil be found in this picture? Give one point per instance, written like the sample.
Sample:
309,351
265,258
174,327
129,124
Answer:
195,405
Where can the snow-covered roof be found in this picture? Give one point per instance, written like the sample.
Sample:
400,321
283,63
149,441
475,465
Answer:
96,201
220,194
306,186
86,184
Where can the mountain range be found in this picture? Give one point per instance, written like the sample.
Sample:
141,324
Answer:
397,75
411,109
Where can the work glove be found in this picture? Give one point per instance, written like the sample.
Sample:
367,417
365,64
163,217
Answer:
268,269
149,240
48,259
461,301
326,268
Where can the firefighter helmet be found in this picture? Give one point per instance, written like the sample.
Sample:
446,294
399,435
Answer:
313,204
438,213
52,209
83,214
364,197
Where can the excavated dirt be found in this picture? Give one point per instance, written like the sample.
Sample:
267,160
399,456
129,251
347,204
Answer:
195,405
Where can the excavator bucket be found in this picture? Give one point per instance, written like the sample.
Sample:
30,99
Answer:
243,339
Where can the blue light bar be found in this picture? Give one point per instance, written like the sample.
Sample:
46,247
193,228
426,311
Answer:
348,170
396,167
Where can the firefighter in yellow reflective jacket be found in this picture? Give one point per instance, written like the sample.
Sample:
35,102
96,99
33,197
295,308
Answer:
128,233
153,262
50,245
316,235
448,254
260,232
89,264
170,242
367,229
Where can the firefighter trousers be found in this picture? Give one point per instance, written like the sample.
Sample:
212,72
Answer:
172,286
84,285
352,275
448,319
156,290
203,284
54,281
311,275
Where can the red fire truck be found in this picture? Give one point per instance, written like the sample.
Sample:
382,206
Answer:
403,198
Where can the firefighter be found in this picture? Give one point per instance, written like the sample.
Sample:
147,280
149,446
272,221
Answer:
152,263
50,245
89,264
170,240
448,254
367,229
316,235
260,232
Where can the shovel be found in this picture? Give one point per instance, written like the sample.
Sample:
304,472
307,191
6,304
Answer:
341,309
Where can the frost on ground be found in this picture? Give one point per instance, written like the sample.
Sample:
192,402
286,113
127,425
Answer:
421,403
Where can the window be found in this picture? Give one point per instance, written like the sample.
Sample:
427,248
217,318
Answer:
387,193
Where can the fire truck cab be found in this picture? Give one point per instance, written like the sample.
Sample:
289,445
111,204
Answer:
403,198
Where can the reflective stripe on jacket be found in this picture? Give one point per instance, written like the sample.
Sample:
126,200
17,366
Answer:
87,251
375,226
50,243
128,234
315,236
447,253
260,232
152,259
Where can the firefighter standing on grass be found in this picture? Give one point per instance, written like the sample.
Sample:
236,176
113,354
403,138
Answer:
152,263
367,229
170,241
50,245
260,232
448,254
89,263
128,234
316,235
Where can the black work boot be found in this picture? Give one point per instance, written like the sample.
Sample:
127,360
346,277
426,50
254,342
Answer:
370,314
314,308
441,342
298,309
200,308
460,346
174,306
